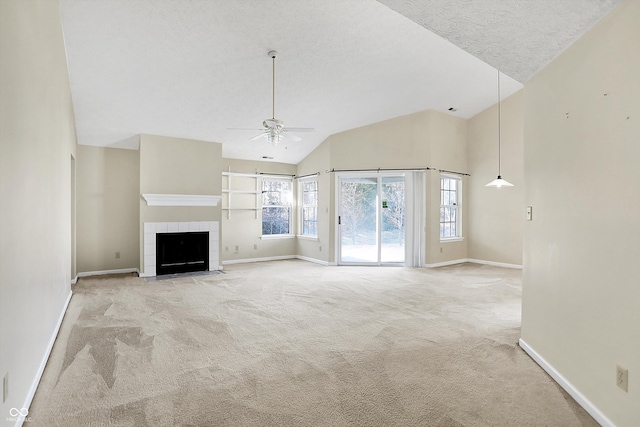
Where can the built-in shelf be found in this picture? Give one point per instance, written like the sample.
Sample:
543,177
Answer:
181,200
229,191
241,191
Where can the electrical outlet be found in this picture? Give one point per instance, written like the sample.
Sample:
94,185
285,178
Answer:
226,248
320,248
5,387
622,378
255,246
440,249
237,248
529,213
117,255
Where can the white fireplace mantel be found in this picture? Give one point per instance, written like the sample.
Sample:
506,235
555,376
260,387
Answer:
181,200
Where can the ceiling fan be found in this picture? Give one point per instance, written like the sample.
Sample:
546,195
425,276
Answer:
274,130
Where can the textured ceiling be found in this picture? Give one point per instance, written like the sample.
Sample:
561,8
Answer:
192,69
518,37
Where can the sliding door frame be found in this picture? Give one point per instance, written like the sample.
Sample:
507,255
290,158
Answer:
411,223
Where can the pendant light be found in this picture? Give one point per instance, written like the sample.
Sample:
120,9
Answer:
499,181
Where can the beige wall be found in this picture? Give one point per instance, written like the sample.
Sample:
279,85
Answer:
448,140
581,292
496,216
37,142
243,228
108,194
319,161
419,140
178,166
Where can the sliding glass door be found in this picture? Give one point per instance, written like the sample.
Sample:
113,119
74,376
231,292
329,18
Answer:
371,219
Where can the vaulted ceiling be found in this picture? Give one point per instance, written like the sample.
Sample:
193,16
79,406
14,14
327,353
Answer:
193,69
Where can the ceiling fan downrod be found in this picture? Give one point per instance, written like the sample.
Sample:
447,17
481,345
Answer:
273,55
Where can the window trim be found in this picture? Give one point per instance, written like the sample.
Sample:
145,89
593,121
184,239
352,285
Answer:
459,236
301,207
290,206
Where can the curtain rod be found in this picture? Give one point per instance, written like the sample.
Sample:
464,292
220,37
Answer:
287,174
308,175
275,174
381,170
454,172
397,169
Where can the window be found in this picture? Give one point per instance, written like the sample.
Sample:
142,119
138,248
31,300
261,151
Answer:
450,224
276,206
309,207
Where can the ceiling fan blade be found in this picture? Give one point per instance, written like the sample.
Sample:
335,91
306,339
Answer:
252,129
288,129
260,135
291,137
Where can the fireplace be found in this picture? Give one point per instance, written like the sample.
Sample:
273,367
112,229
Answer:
153,230
182,252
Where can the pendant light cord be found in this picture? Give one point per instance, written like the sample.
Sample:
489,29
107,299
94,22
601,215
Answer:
499,114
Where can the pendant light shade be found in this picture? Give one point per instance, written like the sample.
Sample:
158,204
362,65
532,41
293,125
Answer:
499,181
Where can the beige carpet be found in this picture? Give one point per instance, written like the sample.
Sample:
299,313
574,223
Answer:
290,343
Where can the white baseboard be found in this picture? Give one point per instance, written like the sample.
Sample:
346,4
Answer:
446,263
103,272
45,359
314,260
567,386
495,264
246,260
475,261
318,261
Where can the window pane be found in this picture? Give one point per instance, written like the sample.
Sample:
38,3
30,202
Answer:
309,217
275,220
276,193
309,198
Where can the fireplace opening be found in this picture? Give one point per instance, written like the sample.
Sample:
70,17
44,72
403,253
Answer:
182,252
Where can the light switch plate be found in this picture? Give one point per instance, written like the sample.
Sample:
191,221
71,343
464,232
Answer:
529,213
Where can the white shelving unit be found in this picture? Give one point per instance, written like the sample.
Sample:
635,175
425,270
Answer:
230,191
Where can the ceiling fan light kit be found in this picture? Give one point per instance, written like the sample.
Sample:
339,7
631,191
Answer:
273,130
499,181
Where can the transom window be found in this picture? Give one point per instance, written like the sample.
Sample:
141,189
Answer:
309,207
450,221
276,206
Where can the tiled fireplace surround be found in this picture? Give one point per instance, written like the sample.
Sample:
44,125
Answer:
153,228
